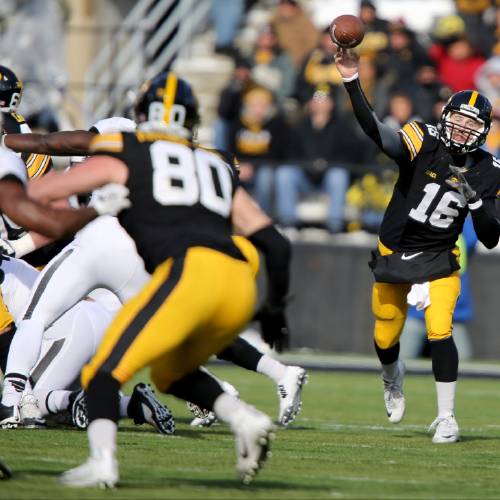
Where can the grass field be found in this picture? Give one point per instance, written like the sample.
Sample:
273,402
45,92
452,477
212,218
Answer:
340,447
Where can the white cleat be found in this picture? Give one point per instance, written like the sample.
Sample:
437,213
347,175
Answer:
289,392
394,399
30,415
253,431
446,430
98,471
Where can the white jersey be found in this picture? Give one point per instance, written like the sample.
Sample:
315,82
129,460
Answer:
11,164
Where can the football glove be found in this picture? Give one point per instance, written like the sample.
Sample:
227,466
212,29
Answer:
458,182
273,325
110,199
5,472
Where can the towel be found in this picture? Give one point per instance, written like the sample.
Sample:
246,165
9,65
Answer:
419,296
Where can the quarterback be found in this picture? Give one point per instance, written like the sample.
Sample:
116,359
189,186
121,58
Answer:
443,176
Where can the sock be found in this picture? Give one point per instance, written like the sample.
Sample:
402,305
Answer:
241,353
13,388
444,356
102,398
226,408
390,372
199,387
124,401
102,436
446,398
52,402
271,368
387,356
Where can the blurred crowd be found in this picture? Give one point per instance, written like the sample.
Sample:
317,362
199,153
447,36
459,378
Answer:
285,115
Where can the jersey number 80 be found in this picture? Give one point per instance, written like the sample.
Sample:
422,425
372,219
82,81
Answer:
182,176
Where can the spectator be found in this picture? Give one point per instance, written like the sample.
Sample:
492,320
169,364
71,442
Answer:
320,148
493,139
456,62
473,14
488,79
227,16
258,139
400,111
376,30
396,65
272,67
413,340
230,102
428,90
295,30
318,69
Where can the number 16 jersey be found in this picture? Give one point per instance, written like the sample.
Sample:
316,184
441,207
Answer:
425,213
181,194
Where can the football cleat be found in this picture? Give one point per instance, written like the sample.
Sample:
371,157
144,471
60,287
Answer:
206,418
446,430
30,414
78,409
100,470
289,392
253,431
394,399
9,417
144,407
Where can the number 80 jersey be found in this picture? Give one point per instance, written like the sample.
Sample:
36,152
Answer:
425,213
181,194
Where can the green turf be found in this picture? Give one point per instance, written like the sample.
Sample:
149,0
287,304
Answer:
340,447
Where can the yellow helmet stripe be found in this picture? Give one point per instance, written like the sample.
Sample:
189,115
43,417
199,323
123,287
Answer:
169,96
473,98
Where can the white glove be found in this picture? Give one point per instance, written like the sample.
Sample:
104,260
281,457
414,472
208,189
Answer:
110,199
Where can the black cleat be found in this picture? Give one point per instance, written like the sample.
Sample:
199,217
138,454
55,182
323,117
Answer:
144,408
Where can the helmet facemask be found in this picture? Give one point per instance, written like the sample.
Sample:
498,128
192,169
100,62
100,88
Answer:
460,139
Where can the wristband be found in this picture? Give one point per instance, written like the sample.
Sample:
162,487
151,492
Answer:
476,204
350,78
22,246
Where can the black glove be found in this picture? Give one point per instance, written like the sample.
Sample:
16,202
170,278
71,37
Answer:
459,182
5,472
273,325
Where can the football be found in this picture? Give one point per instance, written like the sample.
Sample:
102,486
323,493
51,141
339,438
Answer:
347,31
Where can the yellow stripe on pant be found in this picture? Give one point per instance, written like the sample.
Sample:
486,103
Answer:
389,306
191,308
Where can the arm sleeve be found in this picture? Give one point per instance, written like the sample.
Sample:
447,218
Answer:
277,253
387,139
486,223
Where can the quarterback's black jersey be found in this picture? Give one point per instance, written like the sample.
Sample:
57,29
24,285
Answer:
181,194
425,213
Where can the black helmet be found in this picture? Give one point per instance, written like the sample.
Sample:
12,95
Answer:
11,90
471,104
169,100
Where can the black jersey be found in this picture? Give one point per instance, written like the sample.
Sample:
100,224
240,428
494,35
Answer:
425,213
181,194
36,164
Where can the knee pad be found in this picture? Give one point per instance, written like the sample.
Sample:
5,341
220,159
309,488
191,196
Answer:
389,322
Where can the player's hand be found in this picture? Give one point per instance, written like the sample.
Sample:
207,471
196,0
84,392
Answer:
459,182
347,62
7,249
5,472
110,199
273,325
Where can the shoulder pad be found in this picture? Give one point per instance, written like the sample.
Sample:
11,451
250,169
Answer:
11,164
416,134
106,143
228,157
